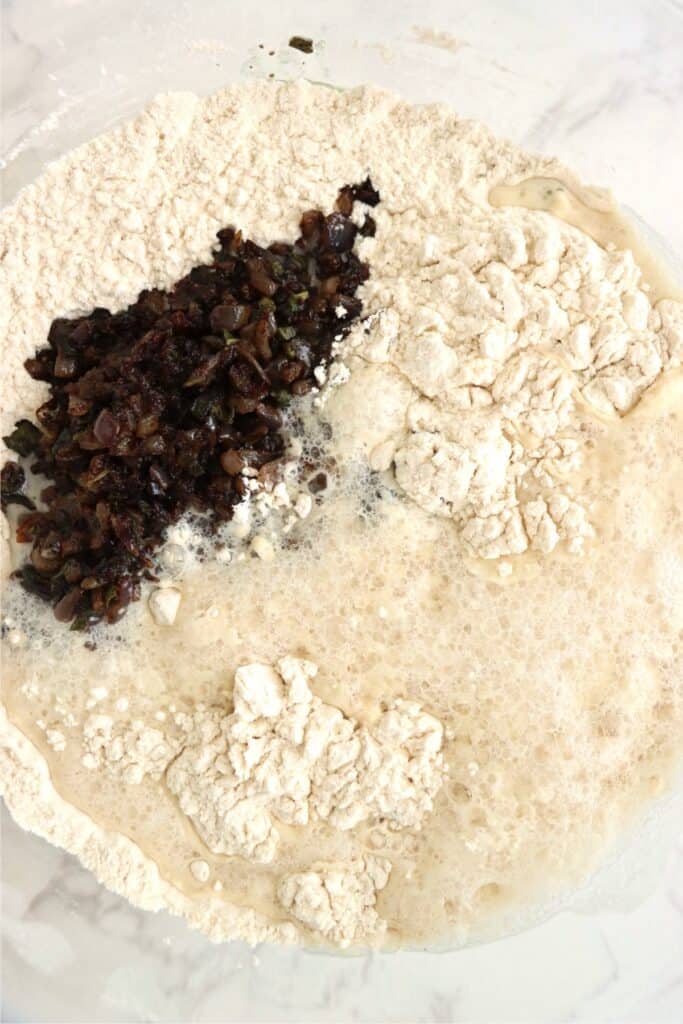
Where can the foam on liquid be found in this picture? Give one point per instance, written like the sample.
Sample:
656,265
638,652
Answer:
562,693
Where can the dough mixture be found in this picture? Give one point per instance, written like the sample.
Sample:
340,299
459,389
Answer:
429,671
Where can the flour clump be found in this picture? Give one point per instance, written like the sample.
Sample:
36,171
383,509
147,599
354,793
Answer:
514,331
338,900
284,755
127,751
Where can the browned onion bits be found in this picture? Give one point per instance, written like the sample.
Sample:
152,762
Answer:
156,410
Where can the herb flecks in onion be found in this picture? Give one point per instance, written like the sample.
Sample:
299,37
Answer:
156,410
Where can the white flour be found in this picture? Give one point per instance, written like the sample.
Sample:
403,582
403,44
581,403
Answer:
284,755
501,340
338,900
129,751
509,331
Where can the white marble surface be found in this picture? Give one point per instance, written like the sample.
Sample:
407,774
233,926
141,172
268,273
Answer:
600,84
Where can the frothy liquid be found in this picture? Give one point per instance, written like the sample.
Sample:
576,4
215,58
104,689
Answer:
561,693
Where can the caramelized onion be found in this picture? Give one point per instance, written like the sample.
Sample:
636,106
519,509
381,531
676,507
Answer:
159,408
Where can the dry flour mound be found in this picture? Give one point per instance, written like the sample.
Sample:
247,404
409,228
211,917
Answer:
506,322
517,334
498,339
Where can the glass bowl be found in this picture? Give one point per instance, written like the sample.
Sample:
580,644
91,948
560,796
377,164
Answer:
573,84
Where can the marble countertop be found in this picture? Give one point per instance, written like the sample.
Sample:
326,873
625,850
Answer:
600,85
